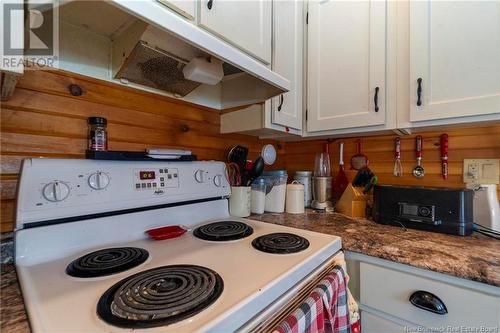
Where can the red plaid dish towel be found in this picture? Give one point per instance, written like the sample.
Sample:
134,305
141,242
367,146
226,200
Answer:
325,310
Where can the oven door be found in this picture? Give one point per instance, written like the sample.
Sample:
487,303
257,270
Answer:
274,314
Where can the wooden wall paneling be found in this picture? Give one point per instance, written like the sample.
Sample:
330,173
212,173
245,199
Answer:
482,142
42,119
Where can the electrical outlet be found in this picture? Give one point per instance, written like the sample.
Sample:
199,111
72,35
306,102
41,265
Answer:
481,171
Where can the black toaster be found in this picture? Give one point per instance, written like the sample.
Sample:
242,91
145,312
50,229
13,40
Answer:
435,209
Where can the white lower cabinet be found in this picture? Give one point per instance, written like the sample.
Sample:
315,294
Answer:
388,299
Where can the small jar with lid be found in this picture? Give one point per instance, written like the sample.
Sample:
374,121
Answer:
295,198
97,134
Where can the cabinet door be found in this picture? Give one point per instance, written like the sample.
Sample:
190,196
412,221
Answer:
346,64
374,324
455,51
288,26
184,7
245,23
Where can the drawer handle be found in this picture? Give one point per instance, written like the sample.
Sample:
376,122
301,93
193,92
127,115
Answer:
209,4
375,99
419,91
281,102
429,302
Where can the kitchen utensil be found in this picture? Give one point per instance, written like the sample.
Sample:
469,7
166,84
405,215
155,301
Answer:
320,192
256,172
398,168
234,174
370,185
363,177
295,198
238,154
268,153
340,181
359,160
419,171
444,155
167,232
322,164
240,201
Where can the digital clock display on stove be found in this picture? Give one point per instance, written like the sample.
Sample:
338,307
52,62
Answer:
146,175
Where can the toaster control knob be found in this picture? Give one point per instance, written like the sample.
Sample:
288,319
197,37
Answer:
199,176
218,180
55,191
98,180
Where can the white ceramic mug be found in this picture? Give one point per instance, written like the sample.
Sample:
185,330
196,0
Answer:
295,198
240,201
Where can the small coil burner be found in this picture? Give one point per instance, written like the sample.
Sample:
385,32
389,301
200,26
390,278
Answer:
107,261
223,231
280,243
160,296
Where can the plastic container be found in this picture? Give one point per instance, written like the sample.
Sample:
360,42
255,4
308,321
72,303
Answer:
295,198
240,201
275,190
258,196
305,178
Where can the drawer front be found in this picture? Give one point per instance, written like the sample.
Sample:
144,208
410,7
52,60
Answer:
389,291
373,324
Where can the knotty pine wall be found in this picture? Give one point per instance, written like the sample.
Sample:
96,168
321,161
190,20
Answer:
43,119
463,143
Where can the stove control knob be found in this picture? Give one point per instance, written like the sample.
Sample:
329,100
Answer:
199,176
98,180
55,191
218,180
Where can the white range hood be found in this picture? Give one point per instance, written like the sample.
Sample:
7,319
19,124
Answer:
146,32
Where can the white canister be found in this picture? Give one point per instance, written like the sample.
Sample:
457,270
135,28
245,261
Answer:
295,198
305,178
240,201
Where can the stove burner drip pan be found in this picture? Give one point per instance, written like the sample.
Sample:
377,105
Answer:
280,243
107,261
160,296
223,231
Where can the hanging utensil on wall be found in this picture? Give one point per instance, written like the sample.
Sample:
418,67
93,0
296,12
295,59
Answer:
359,160
444,155
340,181
419,171
398,168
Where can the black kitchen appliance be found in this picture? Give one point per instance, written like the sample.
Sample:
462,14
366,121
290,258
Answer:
435,209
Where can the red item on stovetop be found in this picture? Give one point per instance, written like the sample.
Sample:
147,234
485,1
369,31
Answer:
168,232
444,155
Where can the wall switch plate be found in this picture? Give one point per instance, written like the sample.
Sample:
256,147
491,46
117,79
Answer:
482,171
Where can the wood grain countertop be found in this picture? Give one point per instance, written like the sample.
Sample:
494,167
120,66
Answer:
474,257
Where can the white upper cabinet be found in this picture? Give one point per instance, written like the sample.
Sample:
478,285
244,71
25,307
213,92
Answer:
186,8
288,27
455,55
244,23
346,64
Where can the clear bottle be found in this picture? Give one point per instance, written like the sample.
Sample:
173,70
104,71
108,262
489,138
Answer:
97,134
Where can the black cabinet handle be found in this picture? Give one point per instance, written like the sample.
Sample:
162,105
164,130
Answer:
375,99
209,4
429,302
419,91
281,102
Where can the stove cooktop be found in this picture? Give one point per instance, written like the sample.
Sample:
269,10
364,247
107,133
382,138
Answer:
280,243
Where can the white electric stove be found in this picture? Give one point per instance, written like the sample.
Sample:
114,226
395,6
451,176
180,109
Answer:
67,209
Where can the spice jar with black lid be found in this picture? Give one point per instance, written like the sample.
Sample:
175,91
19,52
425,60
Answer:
97,135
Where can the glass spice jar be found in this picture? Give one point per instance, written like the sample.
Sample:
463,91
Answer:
97,134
